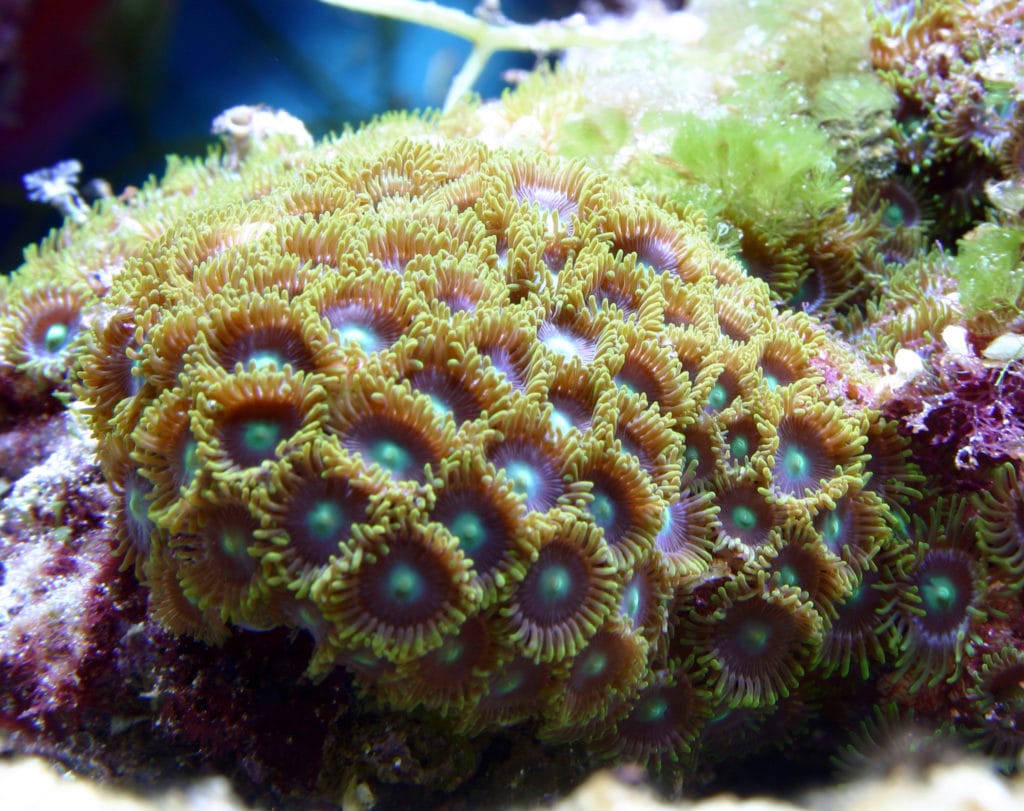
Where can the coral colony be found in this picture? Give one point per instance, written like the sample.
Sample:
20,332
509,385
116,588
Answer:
668,427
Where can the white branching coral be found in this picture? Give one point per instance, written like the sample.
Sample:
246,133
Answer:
57,186
245,127
489,31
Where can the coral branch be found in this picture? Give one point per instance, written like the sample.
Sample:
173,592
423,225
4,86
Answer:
491,31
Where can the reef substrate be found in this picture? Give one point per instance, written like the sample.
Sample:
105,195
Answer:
386,468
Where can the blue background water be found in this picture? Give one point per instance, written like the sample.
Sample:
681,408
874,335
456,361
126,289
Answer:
118,84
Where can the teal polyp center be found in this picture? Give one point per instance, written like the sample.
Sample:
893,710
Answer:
136,377
744,517
507,683
560,422
266,359
364,658
622,381
404,584
632,601
788,576
554,584
526,481
562,345
651,710
189,461
56,337
832,528
602,509
391,456
667,525
718,398
469,530
138,506
739,447
362,335
593,664
795,463
858,595
439,406
325,520
893,215
754,636
450,653
805,294
939,593
233,542
261,436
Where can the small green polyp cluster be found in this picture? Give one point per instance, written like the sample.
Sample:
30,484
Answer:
516,445
472,509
